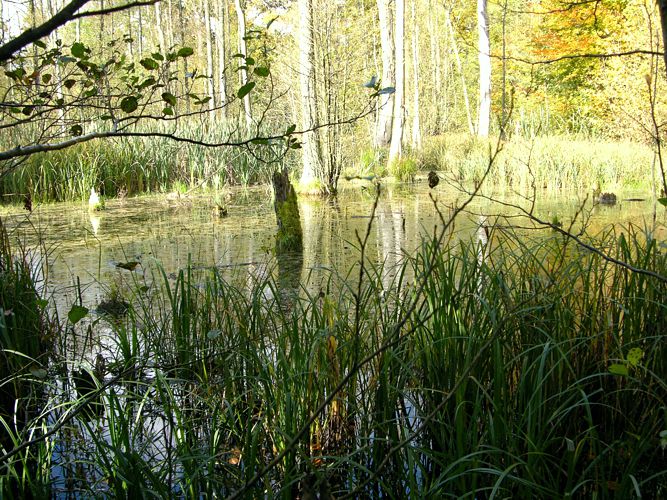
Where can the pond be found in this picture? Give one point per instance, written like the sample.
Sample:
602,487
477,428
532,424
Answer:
84,248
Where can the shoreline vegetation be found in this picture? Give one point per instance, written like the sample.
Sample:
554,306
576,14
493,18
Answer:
528,367
133,167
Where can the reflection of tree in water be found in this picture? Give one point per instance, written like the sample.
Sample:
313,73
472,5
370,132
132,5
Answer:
290,266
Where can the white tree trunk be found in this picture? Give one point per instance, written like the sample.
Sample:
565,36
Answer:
160,30
243,49
416,129
220,46
386,101
396,147
209,61
309,121
484,52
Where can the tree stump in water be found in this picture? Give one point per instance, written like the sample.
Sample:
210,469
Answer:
289,237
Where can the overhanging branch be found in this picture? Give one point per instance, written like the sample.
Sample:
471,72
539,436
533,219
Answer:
33,34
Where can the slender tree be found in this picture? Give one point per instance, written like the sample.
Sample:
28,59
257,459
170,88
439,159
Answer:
310,140
159,27
220,49
386,101
484,53
396,147
243,49
416,129
210,78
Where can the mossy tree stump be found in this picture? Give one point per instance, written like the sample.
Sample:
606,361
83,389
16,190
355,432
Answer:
289,237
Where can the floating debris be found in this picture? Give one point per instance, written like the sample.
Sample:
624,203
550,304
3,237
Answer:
129,266
607,199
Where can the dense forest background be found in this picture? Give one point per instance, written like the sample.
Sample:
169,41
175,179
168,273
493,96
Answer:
248,69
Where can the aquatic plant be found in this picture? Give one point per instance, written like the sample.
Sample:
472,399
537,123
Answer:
25,339
537,370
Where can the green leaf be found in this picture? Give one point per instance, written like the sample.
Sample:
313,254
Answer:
40,44
635,355
27,110
149,63
69,84
245,90
168,111
169,98
46,78
147,83
76,130
241,56
290,129
663,201
157,56
185,52
79,50
129,104
619,369
249,61
262,71
260,141
77,313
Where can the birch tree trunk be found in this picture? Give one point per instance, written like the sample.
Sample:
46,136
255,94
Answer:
386,101
209,61
220,47
396,147
181,22
140,24
170,26
309,121
484,52
416,130
243,49
158,25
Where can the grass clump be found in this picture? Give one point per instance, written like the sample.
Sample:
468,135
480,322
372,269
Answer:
403,168
25,339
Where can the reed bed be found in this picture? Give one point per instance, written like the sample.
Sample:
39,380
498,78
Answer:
544,162
121,167
529,368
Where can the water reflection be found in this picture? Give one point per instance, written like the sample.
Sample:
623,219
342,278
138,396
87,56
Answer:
84,247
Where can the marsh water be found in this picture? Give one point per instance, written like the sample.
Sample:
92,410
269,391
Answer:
80,251
85,256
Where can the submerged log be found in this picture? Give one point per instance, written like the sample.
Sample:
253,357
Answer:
289,237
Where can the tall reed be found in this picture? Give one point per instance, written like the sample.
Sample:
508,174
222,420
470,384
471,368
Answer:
528,368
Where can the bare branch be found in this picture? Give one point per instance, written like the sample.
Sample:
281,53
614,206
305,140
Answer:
118,8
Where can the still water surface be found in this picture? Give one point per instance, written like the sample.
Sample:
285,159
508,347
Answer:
83,248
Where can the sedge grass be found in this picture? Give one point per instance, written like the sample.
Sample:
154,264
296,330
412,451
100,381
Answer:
555,163
511,377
